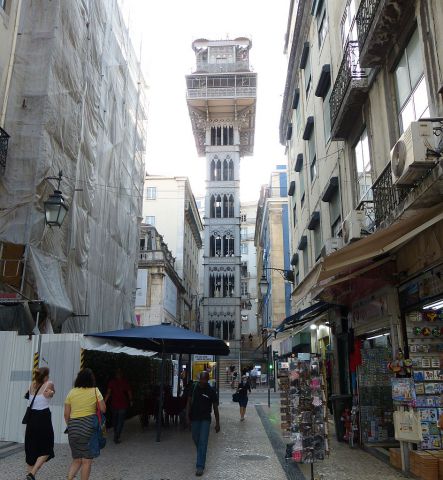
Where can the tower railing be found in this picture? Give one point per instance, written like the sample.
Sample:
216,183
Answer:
221,92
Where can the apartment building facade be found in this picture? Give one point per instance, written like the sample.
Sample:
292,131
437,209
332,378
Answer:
362,119
170,206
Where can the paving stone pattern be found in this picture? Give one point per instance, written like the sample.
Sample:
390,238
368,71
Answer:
242,450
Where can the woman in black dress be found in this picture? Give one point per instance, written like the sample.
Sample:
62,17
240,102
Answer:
243,388
39,436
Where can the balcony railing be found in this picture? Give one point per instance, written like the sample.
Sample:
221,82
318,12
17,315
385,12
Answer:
364,18
387,197
379,23
222,92
351,77
4,139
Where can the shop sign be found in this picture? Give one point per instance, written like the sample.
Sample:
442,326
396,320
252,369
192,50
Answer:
426,287
304,356
203,358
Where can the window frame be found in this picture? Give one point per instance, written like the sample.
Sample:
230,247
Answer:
318,240
308,81
322,25
148,222
410,99
151,193
327,115
357,190
312,157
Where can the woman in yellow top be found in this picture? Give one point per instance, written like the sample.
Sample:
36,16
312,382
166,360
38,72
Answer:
80,411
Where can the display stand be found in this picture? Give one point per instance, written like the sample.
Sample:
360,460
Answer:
425,334
304,411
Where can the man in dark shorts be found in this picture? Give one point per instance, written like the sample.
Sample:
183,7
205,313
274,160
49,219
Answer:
201,401
121,398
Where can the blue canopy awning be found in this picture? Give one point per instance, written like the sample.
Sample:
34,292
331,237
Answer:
303,316
166,338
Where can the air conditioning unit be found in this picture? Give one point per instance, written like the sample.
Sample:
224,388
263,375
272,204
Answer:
331,245
352,226
409,157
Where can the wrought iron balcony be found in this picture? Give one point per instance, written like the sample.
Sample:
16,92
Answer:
387,197
379,23
349,93
4,139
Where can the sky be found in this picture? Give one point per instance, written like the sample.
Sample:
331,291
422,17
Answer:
165,30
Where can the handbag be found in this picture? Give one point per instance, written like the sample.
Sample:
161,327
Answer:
236,397
98,440
27,414
101,424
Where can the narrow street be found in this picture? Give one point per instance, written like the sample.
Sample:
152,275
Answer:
252,449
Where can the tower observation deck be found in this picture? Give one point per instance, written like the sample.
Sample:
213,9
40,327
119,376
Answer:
221,98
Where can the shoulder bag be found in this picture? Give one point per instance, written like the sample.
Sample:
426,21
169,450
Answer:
28,409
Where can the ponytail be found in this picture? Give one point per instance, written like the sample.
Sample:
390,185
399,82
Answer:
40,374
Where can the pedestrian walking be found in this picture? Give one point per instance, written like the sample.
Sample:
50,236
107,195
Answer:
253,376
120,393
234,378
80,415
243,389
201,402
39,435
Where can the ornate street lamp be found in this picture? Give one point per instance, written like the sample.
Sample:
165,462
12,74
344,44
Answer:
55,206
263,284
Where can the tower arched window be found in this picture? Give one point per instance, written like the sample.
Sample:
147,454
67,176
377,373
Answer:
212,286
231,170
231,135
225,206
228,246
218,206
215,136
211,328
231,206
212,206
212,167
218,170
225,170
212,246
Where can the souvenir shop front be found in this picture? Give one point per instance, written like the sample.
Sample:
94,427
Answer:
421,303
372,345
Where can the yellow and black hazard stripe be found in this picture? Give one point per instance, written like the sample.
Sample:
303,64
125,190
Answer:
36,361
82,359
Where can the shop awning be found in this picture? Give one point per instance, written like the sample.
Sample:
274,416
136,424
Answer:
303,316
379,243
166,338
109,346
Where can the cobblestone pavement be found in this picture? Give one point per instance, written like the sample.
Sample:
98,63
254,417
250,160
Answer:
343,463
242,450
140,457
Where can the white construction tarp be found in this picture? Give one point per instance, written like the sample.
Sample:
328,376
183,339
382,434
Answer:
76,105
50,284
99,345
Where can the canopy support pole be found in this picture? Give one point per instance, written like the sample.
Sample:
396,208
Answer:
217,376
180,364
160,400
